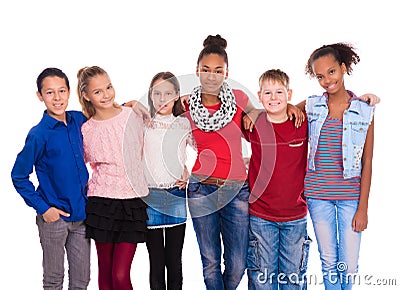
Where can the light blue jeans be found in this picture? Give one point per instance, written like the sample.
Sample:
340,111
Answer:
277,254
56,238
220,212
338,244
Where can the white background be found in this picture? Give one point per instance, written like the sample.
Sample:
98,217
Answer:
133,40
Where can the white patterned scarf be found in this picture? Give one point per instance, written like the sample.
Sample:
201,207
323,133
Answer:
212,122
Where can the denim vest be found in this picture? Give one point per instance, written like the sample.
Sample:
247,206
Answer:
356,120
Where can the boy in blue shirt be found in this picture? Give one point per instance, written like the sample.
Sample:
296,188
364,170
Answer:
54,147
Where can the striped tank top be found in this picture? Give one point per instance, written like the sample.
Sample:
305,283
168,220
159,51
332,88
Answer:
327,181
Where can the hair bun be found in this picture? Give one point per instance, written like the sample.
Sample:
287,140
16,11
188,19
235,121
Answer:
215,40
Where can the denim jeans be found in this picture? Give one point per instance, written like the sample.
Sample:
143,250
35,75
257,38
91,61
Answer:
166,206
55,238
338,244
220,212
277,254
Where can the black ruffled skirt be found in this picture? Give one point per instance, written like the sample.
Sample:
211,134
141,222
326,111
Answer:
111,220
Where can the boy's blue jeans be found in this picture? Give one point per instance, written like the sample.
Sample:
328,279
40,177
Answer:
277,254
55,238
338,244
220,212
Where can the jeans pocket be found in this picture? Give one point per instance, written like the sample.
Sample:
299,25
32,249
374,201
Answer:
178,193
312,123
244,192
309,202
193,188
359,132
253,254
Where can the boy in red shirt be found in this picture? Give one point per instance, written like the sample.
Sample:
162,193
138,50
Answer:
278,240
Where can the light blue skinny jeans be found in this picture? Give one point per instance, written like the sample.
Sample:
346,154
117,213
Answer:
338,244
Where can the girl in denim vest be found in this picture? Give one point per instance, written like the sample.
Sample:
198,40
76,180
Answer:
338,179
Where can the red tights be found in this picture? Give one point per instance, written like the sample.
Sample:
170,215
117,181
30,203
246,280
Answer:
115,260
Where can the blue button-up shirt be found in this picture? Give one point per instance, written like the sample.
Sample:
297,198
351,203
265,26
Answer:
55,151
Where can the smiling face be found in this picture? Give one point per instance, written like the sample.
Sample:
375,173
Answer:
100,92
329,73
163,95
274,97
55,95
212,70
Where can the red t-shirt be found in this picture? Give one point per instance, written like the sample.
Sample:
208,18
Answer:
219,153
277,169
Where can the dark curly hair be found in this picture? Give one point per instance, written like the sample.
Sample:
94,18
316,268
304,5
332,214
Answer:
342,52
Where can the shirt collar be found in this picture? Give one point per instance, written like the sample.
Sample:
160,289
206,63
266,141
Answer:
354,107
52,123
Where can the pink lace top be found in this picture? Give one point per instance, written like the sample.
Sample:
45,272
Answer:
114,149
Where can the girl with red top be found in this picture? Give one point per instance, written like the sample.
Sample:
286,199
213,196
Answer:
218,192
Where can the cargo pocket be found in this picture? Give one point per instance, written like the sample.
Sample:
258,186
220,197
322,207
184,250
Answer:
253,254
304,260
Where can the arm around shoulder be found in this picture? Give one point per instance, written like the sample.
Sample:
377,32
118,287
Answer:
371,99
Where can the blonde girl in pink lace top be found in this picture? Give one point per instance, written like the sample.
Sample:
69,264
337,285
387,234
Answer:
113,144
